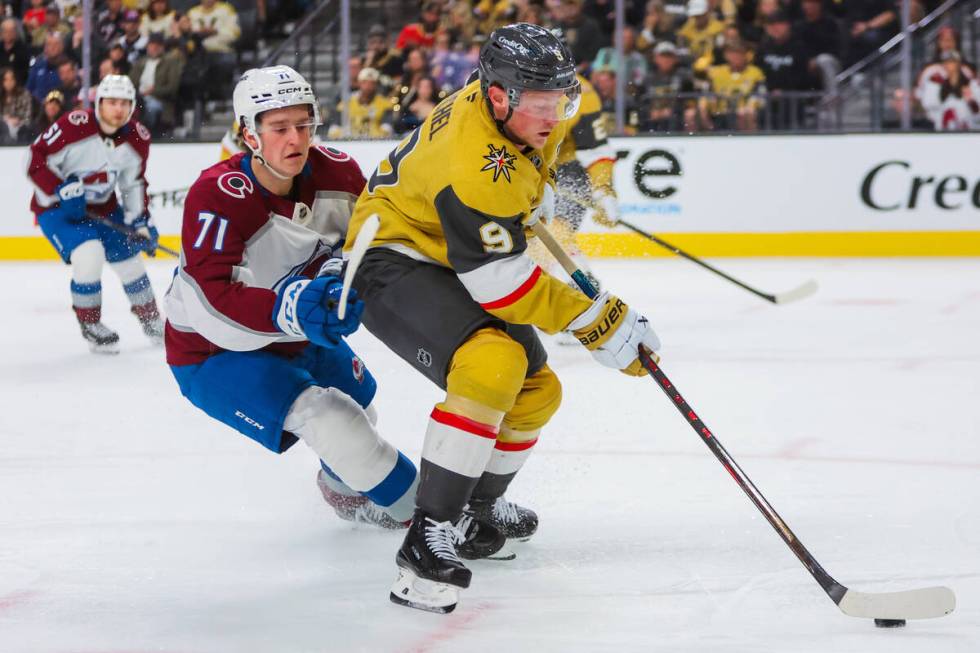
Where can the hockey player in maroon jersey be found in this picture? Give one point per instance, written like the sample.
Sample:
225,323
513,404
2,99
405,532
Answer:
77,166
252,335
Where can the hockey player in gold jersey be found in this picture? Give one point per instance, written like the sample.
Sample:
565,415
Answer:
448,286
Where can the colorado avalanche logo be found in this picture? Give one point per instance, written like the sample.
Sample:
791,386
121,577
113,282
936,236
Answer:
236,184
358,368
333,154
143,132
78,117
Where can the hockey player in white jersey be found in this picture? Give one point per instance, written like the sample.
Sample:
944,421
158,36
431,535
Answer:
77,166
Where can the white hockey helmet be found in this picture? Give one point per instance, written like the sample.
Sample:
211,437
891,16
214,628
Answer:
275,87
116,86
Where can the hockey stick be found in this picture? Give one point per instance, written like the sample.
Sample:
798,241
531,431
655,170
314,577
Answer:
922,603
129,232
364,237
805,290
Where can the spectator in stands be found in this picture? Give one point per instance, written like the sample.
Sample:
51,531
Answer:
420,104
387,62
461,22
51,109
132,42
636,63
491,14
118,55
700,30
869,23
16,107
71,83
782,57
604,82
217,24
14,53
157,79
952,100
423,33
159,18
370,113
819,35
77,42
416,67
784,62
737,86
42,77
52,25
581,33
34,17
533,14
658,25
109,21
667,78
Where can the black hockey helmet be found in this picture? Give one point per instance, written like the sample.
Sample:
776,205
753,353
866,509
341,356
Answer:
525,57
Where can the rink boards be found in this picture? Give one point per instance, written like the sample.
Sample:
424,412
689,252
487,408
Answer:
846,195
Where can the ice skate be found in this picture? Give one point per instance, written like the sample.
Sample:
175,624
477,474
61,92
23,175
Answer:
481,540
101,339
514,521
430,572
357,508
150,322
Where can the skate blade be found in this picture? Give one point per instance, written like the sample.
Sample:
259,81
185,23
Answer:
414,592
104,350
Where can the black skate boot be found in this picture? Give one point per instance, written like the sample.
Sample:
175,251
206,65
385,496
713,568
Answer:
515,522
358,509
101,339
482,540
430,573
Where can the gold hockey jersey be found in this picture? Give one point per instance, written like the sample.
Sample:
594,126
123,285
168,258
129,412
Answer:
456,192
587,141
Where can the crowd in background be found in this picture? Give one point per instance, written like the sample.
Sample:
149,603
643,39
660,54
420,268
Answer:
174,51
689,65
694,65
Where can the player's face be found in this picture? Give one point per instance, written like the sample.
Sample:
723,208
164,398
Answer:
286,138
114,112
537,114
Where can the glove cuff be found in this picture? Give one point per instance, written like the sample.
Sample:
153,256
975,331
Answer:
284,312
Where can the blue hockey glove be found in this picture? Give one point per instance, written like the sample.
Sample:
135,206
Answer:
146,235
71,198
308,309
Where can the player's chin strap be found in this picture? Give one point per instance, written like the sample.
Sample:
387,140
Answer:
497,121
257,156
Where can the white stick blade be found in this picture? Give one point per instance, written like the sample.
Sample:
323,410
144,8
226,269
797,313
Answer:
364,237
925,603
796,294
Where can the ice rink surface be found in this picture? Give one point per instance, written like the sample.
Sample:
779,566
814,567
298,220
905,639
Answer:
130,522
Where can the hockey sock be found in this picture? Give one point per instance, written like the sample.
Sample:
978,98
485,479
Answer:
86,300
509,454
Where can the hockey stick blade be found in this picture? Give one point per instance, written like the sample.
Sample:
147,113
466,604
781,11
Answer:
364,237
924,603
796,294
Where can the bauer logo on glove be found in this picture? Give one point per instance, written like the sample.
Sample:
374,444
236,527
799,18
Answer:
595,334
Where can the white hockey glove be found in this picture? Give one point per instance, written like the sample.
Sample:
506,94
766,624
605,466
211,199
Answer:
605,211
545,211
332,267
613,332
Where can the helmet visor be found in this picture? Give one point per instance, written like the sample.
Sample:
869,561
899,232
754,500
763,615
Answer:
550,105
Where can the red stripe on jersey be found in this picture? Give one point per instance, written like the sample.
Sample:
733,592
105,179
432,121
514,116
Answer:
465,424
522,290
516,446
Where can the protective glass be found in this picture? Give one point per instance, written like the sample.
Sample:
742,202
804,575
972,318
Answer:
550,105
